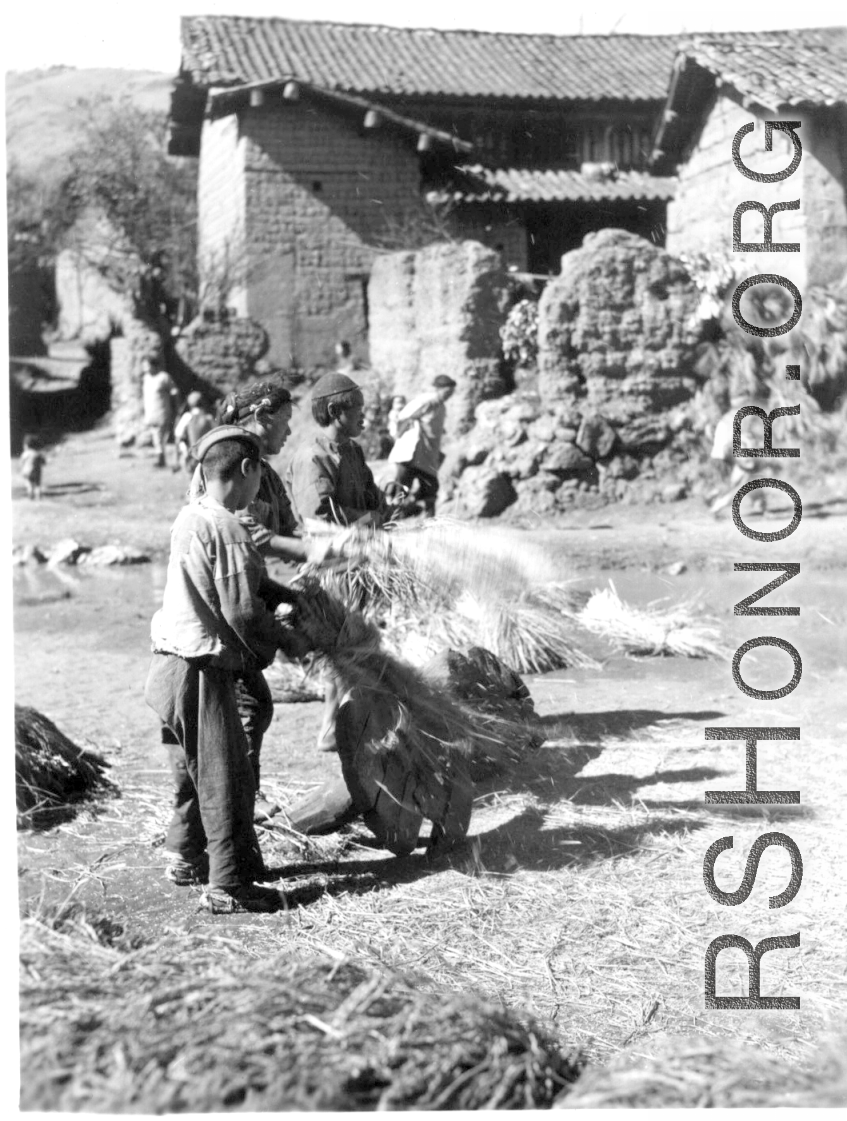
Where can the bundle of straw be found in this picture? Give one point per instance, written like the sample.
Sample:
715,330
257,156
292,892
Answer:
178,1027
51,772
405,744
650,631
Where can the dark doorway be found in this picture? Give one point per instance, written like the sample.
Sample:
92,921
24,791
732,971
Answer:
557,228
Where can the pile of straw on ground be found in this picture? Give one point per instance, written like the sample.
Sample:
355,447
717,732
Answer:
698,1071
51,772
183,1025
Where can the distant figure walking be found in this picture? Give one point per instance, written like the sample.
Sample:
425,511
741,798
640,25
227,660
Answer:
417,451
398,403
32,463
194,423
159,397
738,470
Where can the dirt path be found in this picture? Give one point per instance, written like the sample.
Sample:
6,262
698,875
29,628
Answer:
579,896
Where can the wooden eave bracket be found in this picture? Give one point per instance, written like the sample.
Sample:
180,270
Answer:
376,113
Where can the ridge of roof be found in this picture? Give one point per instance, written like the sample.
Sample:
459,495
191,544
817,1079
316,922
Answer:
391,29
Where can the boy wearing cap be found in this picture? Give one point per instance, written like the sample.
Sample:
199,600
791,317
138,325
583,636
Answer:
416,454
329,478
213,625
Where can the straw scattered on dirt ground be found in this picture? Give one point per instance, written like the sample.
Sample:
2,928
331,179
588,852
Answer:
694,1071
183,1025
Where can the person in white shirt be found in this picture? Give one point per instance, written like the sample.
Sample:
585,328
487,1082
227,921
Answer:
417,451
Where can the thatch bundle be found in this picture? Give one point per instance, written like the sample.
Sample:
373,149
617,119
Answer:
51,772
405,743
183,1026
697,1071
653,630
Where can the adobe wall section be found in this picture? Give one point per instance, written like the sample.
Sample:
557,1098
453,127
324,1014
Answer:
710,188
320,193
439,311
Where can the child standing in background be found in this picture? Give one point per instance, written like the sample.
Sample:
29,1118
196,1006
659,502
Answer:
31,466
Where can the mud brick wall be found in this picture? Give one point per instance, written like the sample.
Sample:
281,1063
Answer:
618,330
316,193
710,188
439,311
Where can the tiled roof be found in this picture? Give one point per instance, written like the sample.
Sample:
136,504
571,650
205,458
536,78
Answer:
775,70
778,69
357,58
510,184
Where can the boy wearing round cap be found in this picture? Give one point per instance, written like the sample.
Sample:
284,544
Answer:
417,451
213,625
329,478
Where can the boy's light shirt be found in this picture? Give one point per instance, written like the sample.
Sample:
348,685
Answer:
211,606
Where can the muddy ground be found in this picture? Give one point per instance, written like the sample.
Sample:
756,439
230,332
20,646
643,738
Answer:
579,895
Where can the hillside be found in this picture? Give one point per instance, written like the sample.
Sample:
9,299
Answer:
41,112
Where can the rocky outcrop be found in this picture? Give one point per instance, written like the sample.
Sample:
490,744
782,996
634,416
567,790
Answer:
439,311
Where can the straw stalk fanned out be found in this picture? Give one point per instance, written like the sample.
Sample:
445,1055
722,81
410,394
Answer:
176,1027
676,630
448,584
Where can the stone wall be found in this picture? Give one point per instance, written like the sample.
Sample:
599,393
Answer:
318,196
439,311
710,188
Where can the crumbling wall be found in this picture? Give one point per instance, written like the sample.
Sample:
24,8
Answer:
222,350
618,331
617,328
439,311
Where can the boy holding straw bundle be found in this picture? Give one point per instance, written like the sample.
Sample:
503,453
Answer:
330,481
213,625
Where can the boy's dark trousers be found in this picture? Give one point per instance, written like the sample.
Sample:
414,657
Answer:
256,710
214,786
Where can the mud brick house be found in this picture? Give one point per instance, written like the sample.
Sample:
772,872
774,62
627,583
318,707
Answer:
718,85
320,144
